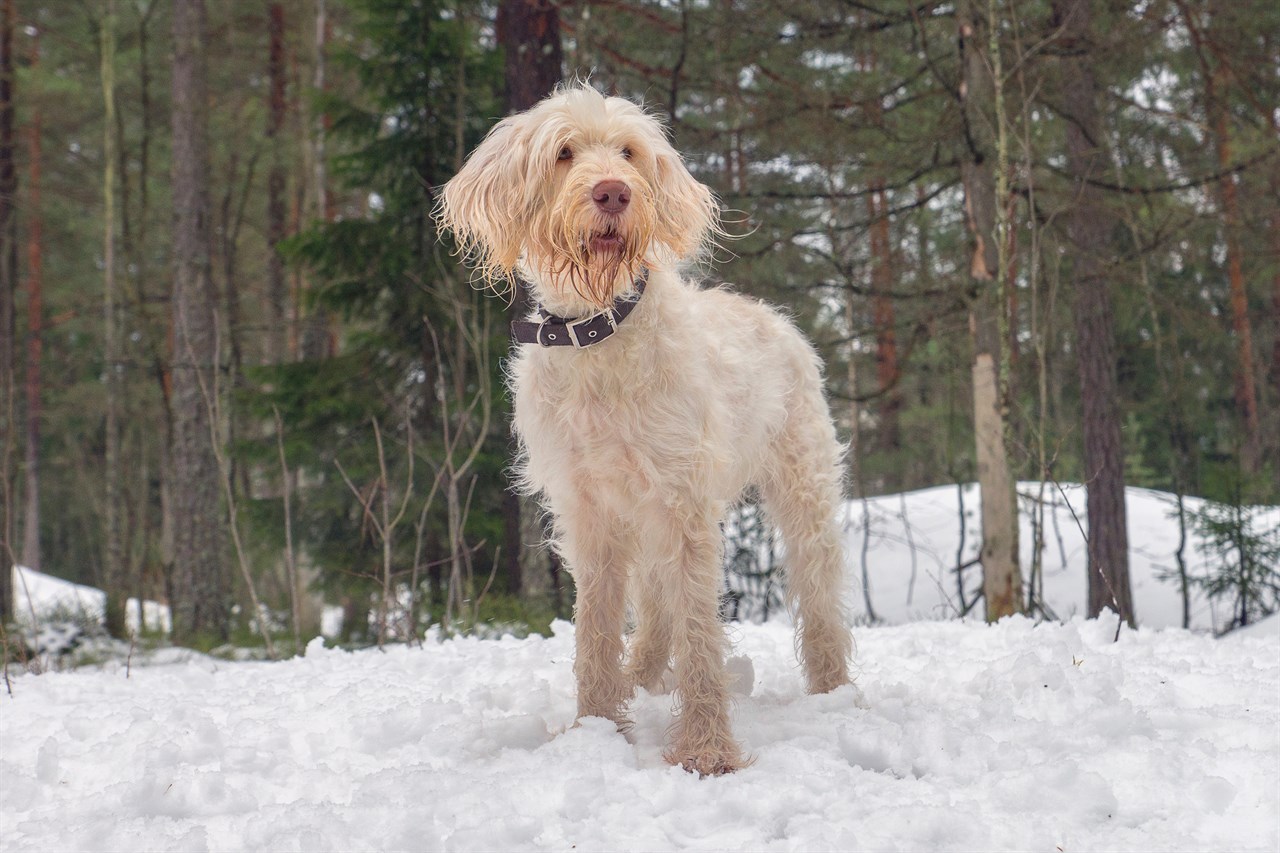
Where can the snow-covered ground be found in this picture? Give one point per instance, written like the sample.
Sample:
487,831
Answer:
958,736
966,737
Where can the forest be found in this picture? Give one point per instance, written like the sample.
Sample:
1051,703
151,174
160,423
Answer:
243,373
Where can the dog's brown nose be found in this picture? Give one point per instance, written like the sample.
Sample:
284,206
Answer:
611,196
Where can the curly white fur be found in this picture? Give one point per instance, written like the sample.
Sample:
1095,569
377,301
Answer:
639,445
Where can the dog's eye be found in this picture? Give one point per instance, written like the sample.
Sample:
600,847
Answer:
626,153
566,153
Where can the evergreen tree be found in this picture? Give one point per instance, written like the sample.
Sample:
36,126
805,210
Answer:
408,362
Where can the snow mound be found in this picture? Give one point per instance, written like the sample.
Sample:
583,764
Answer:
41,598
959,736
913,542
902,551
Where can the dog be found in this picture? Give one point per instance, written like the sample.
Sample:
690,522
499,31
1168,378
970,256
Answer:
646,406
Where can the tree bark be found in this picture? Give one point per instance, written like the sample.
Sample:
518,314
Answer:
200,584
8,309
1088,227
882,309
529,31
1001,571
317,340
1246,386
1274,229
882,312
114,584
35,333
277,291
134,238
1216,83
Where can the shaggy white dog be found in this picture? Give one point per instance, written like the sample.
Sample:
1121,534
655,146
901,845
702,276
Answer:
646,406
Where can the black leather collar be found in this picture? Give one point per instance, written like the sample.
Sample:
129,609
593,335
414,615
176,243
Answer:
580,332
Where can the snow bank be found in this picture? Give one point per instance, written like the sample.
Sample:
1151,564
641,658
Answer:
913,543
40,597
963,737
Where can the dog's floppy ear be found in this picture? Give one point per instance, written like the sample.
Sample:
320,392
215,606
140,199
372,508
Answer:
688,213
485,201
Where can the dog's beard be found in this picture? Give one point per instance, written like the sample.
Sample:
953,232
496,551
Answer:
596,255
607,260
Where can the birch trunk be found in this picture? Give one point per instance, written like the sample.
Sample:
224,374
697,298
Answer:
1001,571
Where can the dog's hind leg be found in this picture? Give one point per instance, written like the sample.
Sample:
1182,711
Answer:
651,643
802,497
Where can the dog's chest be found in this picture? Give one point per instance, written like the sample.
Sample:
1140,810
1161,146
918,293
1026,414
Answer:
619,422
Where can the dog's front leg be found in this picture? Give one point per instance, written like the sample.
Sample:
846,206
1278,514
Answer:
704,740
599,569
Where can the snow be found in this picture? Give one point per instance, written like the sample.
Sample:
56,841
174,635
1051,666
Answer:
41,598
962,737
957,736
914,538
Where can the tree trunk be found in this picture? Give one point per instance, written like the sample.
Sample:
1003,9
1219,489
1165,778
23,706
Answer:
8,294
1001,571
882,310
1271,44
1216,75
1246,386
887,369
35,334
277,292
317,341
529,31
154,527
1274,228
200,581
1088,226
114,584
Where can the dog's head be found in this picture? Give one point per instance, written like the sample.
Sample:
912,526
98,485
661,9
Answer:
578,193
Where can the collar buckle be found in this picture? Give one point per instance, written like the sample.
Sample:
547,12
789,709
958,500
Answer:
573,327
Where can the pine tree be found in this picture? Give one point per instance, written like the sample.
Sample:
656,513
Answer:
199,586
1088,224
529,32
8,290
426,94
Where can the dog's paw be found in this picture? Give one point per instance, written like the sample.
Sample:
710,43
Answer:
709,765
708,761
826,685
824,679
